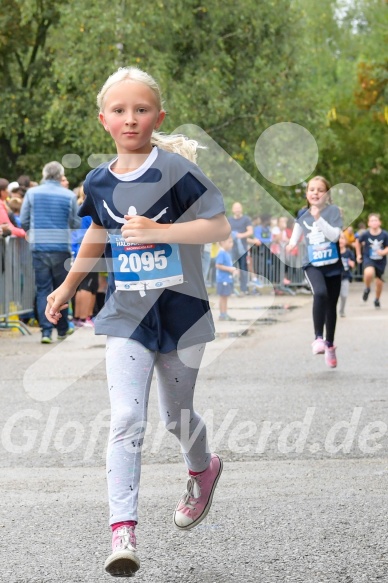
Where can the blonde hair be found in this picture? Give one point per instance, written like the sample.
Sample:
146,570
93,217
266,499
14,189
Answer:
15,204
325,182
176,143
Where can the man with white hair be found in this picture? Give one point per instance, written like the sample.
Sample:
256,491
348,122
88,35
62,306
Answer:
48,213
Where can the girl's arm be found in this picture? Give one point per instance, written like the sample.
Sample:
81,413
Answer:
92,247
330,232
296,234
139,229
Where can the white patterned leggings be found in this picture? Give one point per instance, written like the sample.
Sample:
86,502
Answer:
130,368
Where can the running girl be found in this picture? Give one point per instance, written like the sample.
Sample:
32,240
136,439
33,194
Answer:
321,225
155,208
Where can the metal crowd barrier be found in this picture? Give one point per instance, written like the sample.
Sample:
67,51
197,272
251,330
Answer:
284,270
17,283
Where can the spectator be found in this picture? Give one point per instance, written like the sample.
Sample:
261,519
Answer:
6,224
277,251
361,228
25,183
15,204
262,238
241,229
224,277
350,238
13,189
49,211
85,297
64,182
212,269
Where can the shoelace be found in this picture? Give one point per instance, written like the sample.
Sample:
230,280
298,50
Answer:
193,490
127,536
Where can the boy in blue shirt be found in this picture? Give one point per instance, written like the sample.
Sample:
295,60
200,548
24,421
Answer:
224,276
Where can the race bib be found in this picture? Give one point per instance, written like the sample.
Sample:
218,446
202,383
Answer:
374,255
322,253
143,266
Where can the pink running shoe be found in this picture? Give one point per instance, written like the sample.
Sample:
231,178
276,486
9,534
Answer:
318,346
195,503
330,356
123,562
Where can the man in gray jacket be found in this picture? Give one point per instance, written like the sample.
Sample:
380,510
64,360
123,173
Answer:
48,213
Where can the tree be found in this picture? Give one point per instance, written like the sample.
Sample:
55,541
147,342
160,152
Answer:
24,55
232,68
222,67
350,121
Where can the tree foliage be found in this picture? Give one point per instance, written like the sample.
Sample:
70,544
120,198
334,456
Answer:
233,68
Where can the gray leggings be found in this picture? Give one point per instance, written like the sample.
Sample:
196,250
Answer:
130,368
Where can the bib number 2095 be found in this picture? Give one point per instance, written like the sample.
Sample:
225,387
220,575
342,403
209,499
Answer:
135,262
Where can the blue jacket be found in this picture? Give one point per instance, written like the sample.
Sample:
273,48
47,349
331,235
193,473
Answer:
48,212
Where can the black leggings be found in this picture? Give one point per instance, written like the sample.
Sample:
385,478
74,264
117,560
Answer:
326,292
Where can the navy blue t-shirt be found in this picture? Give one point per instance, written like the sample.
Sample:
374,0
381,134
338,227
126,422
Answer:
345,256
240,226
373,243
320,251
171,190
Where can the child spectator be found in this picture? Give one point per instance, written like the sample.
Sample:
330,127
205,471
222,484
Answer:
15,204
350,237
224,276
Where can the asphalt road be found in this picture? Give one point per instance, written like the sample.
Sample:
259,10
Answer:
303,496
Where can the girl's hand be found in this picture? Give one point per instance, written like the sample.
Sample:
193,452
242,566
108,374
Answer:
315,212
290,247
58,300
139,229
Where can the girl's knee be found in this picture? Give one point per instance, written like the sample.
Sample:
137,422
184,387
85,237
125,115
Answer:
127,420
321,296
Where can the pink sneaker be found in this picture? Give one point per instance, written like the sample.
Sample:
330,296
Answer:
318,346
196,501
123,562
330,357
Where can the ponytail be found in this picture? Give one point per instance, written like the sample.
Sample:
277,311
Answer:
176,143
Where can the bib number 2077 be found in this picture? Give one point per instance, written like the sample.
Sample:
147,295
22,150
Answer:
322,254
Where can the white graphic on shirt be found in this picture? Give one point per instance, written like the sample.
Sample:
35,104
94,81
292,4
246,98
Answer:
316,236
131,211
375,246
